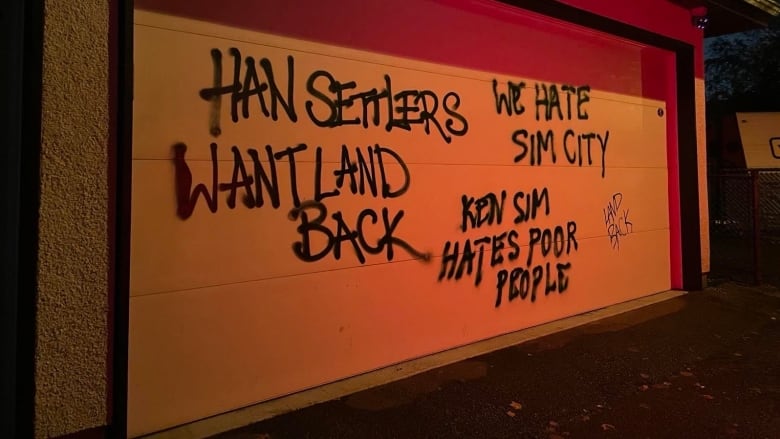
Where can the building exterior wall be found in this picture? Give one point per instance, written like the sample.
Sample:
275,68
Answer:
203,288
72,384
701,144
72,316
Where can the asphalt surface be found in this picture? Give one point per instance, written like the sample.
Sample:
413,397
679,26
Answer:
704,365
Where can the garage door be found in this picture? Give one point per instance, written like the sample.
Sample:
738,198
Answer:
305,211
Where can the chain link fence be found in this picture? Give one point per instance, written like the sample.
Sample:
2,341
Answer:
745,226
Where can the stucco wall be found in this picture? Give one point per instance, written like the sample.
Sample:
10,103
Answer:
71,381
701,138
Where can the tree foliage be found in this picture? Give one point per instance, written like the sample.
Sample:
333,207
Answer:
743,71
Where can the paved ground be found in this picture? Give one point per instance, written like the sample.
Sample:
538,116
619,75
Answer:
705,365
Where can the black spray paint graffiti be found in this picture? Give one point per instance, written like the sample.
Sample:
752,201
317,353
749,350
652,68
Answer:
488,209
616,221
332,103
533,146
579,149
258,88
547,99
509,101
521,281
361,173
343,233
242,89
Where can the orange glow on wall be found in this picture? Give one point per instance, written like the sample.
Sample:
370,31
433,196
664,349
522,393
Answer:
305,212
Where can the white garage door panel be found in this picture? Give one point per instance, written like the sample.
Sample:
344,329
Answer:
253,244
299,332
225,314
164,50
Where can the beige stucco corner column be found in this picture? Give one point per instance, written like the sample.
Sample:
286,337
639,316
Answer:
73,262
